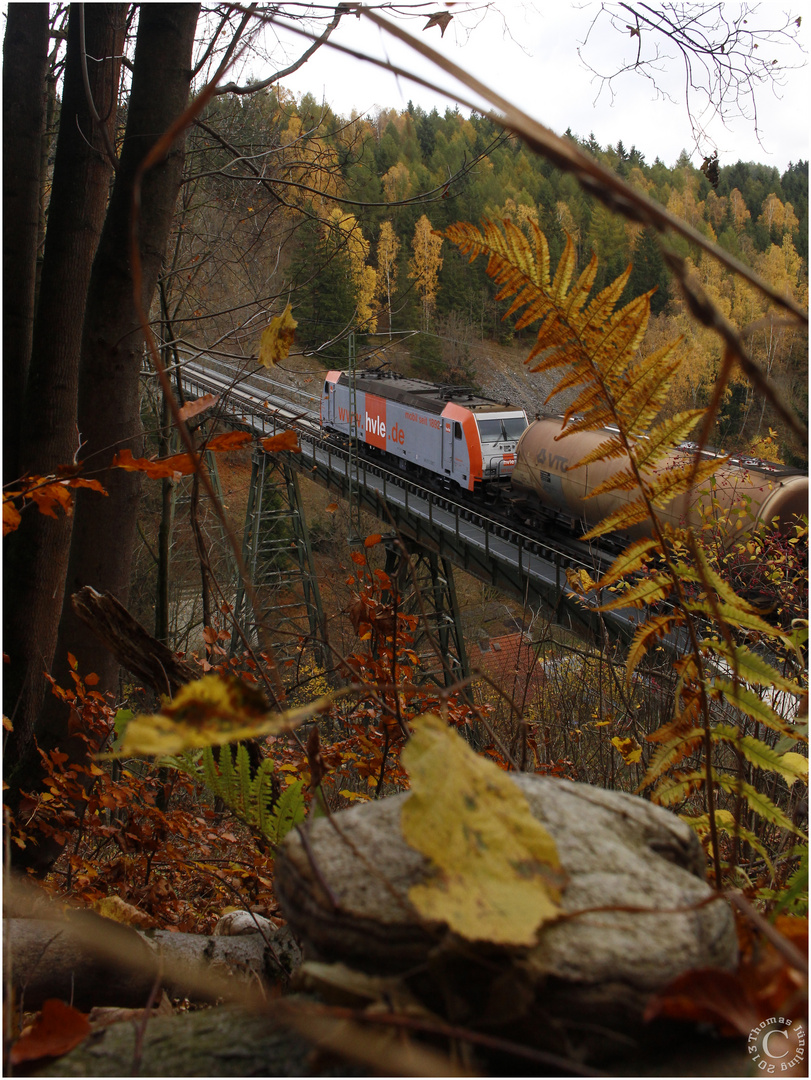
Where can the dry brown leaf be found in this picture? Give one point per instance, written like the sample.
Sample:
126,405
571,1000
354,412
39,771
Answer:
193,408
56,1030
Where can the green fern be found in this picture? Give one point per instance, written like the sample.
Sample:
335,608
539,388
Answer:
254,799
286,814
595,344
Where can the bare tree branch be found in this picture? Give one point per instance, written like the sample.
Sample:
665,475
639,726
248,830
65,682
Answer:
727,52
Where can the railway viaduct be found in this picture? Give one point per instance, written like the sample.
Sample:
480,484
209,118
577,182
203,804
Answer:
437,531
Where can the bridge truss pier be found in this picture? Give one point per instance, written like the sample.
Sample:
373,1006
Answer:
425,584
276,551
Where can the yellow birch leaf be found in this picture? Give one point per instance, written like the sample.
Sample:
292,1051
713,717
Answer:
629,748
794,767
277,338
113,907
495,875
209,712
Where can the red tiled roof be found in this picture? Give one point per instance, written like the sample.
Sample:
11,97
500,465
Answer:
510,662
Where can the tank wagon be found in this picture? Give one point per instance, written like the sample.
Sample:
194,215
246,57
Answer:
466,440
543,475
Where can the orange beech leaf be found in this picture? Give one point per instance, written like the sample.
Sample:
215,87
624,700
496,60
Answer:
81,482
707,995
332,508
11,515
285,440
192,408
356,557
164,468
57,1029
229,441
49,496
370,541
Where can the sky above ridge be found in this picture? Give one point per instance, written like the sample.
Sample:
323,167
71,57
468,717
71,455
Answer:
533,55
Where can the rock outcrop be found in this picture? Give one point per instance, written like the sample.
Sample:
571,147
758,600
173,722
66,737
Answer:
638,912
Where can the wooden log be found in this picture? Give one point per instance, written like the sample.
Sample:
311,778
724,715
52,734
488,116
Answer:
133,646
89,961
83,958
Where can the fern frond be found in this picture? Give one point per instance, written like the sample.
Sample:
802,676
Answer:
243,772
633,558
590,410
757,752
678,787
570,329
624,517
649,632
676,480
667,435
606,451
253,798
622,480
748,702
287,813
750,667
648,591
736,616
725,822
683,724
761,804
210,769
563,276
639,402
671,753
795,894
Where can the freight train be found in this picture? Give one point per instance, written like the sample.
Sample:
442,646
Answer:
476,445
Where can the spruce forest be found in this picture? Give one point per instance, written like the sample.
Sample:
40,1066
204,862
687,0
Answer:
296,783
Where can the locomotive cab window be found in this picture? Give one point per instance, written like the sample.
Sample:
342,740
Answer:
514,427
457,430
508,429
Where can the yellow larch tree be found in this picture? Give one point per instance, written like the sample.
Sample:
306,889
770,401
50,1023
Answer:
740,214
424,267
397,183
777,215
364,278
388,248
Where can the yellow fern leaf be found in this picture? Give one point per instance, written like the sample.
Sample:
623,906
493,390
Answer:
632,559
622,480
671,753
648,591
676,480
624,517
710,579
650,631
680,725
606,451
564,272
669,434
750,667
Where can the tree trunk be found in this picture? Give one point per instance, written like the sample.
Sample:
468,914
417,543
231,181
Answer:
38,551
25,61
112,350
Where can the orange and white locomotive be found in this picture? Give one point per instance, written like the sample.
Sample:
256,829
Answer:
466,440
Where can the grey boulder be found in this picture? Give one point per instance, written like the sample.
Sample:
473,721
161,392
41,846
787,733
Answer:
638,912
